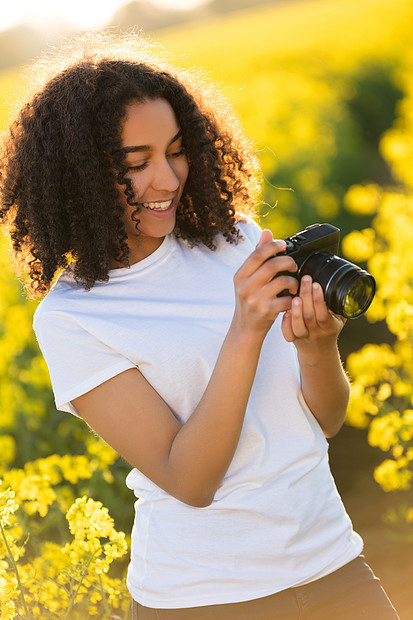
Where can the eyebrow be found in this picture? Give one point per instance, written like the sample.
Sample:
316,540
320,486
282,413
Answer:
146,147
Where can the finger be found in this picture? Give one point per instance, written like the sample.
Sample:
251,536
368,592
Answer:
266,237
298,322
280,283
274,269
280,304
306,295
260,255
322,314
265,283
326,319
286,327
339,318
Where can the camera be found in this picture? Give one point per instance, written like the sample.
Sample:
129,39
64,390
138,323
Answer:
348,289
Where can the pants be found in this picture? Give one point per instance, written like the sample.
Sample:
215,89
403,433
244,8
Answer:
350,593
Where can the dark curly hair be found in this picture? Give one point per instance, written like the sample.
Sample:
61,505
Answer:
62,160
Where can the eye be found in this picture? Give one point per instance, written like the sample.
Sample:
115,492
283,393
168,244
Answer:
178,153
137,168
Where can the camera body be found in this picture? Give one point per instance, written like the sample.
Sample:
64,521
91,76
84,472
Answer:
315,238
348,289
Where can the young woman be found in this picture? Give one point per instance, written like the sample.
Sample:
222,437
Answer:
165,333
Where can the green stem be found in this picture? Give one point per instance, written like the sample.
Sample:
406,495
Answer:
104,597
59,585
75,593
14,565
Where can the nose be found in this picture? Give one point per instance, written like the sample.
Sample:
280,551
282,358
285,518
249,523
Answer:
165,177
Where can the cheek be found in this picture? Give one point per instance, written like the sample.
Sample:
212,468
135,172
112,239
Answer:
183,171
136,188
138,184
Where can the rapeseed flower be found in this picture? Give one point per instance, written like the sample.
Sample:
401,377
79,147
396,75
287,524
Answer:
61,581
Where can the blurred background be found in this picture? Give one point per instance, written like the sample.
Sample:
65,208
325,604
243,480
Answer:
325,90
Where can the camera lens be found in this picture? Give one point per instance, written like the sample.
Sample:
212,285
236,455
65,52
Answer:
348,289
360,295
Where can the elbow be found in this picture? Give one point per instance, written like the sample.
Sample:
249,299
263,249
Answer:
333,425
197,501
201,503
330,433
190,496
332,430
194,497
191,487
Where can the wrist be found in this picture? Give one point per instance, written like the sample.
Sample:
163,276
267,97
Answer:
317,353
245,338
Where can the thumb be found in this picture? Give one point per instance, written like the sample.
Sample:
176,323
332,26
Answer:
266,237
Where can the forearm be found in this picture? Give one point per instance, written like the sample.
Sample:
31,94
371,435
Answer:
325,388
205,445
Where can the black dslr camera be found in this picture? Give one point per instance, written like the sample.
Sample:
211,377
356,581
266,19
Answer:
348,289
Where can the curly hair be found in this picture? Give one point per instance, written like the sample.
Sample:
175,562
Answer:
62,161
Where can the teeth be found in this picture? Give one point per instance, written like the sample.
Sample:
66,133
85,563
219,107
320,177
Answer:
158,206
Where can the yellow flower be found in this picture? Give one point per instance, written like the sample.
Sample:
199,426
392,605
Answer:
75,468
397,451
363,199
7,611
37,494
383,431
8,506
8,588
384,392
104,454
358,246
391,477
89,519
117,546
400,319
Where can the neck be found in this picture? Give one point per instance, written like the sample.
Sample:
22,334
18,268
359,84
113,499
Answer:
139,250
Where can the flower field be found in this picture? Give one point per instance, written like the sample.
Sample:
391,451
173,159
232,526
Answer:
325,89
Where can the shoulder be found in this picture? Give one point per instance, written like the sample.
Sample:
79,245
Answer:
227,253
249,229
59,300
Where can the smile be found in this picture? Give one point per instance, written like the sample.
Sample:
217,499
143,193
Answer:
157,206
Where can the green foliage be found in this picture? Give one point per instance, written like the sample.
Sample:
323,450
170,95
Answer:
383,377
316,85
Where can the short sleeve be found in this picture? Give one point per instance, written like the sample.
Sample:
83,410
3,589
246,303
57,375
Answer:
250,230
77,361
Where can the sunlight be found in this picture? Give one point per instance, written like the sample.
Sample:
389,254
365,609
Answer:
78,13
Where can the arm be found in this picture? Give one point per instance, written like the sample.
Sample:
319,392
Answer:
189,461
314,331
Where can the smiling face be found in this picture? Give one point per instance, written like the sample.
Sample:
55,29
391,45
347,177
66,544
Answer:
158,169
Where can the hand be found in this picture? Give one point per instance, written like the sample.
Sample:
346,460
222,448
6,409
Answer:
310,321
257,287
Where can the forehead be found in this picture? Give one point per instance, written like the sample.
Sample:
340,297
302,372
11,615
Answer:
149,123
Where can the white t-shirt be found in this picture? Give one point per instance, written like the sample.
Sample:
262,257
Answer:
277,520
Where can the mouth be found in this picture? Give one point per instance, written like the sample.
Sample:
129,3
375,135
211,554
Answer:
158,206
